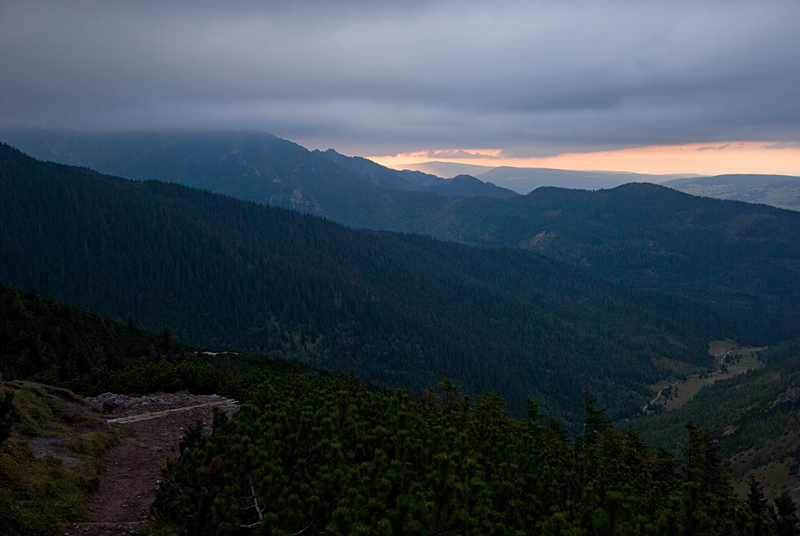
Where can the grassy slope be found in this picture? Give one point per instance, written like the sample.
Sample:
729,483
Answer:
51,462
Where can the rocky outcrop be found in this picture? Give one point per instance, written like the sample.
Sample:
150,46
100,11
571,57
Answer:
108,402
792,394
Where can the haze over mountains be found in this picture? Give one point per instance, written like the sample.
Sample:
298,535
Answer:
781,191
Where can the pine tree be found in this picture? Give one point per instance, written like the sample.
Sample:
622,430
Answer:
756,503
703,464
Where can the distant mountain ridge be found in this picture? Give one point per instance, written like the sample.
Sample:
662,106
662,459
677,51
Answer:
781,191
524,180
248,165
140,155
459,186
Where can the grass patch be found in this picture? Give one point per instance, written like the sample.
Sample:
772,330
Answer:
775,477
51,462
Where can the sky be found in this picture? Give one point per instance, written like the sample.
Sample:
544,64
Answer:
676,86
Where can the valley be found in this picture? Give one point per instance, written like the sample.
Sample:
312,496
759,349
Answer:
751,410
729,360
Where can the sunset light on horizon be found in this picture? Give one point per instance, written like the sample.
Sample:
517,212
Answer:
700,159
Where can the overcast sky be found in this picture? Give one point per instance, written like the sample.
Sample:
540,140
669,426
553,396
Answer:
526,79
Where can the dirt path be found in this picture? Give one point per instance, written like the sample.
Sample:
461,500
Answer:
132,467
657,397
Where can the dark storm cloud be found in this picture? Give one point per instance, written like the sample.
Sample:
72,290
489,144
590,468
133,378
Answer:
534,78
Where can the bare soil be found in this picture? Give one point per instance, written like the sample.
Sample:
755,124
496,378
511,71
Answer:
128,485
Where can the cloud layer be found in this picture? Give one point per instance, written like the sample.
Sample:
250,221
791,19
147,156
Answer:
533,79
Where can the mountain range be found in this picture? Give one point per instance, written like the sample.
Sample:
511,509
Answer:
781,191
525,180
642,235
399,309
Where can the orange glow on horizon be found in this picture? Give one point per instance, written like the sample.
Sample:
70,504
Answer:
701,159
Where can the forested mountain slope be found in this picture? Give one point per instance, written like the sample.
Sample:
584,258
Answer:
46,341
43,340
323,456
404,310
640,235
248,165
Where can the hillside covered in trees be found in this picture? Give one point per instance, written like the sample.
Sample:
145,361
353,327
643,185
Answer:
401,310
312,452
53,442
640,235
44,340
